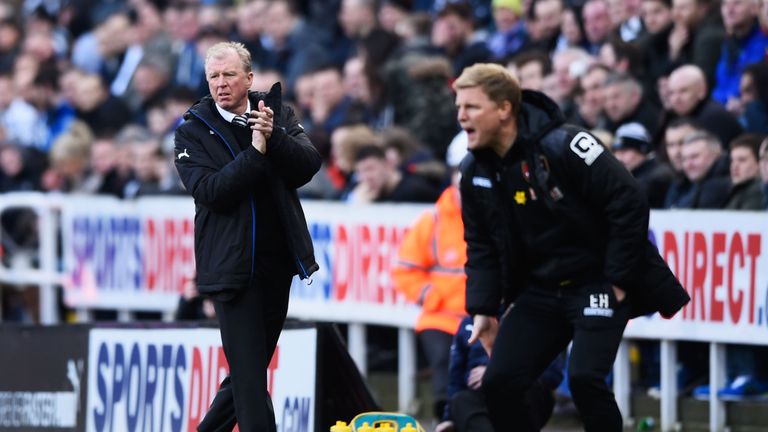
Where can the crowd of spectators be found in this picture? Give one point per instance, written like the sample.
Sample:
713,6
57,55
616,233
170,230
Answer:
91,90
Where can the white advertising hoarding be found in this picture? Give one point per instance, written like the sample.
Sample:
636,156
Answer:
721,258
135,256
164,380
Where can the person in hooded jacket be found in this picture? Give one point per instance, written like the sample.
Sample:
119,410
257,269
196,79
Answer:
242,155
557,226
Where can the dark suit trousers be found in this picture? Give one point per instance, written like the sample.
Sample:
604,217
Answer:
250,324
536,330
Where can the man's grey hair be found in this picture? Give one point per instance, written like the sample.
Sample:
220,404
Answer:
626,80
222,49
712,141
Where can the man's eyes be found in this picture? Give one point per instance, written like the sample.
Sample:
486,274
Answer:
228,75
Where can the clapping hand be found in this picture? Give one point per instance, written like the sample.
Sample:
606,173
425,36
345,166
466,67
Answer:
261,121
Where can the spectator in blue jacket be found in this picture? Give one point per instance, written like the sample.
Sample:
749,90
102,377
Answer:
744,45
466,409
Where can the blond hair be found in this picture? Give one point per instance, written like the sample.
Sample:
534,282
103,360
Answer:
495,81
74,144
222,49
347,140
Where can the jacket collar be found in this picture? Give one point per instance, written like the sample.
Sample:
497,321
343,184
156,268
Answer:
229,116
204,107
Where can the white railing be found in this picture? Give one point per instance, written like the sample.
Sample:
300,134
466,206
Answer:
132,255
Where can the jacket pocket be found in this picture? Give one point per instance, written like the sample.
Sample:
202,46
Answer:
222,244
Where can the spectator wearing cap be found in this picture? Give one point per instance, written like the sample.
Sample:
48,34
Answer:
746,185
632,147
452,32
688,98
706,168
510,35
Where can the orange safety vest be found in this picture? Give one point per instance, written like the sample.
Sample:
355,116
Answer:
430,267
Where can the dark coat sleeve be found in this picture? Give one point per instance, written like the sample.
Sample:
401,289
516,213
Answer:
483,267
616,198
211,186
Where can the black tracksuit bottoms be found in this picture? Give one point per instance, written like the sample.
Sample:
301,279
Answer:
250,324
538,328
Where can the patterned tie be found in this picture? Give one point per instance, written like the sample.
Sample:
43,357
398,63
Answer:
240,120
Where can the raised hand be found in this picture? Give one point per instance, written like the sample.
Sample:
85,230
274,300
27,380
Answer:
261,119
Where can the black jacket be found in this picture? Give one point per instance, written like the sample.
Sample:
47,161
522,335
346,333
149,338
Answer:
558,209
223,179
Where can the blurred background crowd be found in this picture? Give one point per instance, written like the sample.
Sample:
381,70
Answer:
92,90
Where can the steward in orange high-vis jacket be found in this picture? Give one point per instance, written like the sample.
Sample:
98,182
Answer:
430,272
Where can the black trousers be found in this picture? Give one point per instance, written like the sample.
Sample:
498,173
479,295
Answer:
436,345
469,411
250,324
539,327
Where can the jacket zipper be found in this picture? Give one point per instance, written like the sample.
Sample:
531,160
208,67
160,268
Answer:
250,197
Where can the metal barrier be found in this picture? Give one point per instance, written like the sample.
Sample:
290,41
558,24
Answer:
130,255
46,276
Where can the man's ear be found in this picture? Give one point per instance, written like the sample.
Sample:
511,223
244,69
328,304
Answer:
505,110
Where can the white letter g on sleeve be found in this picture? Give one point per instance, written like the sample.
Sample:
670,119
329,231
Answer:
586,147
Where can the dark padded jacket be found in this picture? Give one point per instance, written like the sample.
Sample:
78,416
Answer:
558,209
223,180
